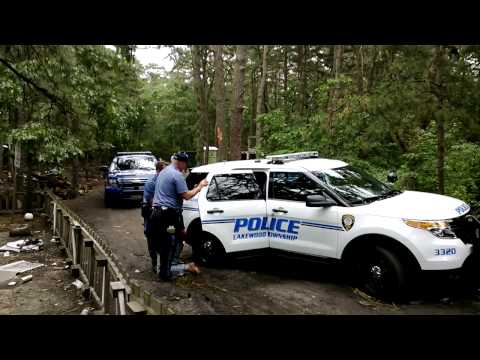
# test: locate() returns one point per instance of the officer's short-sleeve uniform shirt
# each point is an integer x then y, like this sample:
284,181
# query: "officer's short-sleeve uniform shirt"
169,185
149,189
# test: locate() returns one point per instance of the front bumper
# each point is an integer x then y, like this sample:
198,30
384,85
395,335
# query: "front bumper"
450,254
124,194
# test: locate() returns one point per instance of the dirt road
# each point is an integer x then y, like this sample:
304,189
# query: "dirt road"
253,287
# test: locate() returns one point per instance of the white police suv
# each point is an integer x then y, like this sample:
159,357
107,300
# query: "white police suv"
307,206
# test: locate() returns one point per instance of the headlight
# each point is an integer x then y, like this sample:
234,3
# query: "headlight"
113,182
440,228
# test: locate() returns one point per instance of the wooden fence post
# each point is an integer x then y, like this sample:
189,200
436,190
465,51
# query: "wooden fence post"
101,264
118,290
78,236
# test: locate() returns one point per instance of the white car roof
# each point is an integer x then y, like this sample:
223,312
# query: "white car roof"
316,164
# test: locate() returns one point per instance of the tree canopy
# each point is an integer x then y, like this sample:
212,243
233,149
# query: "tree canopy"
413,108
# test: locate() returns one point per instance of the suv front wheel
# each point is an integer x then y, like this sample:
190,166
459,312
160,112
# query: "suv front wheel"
381,273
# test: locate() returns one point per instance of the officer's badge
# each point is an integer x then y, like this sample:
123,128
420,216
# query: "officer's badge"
348,221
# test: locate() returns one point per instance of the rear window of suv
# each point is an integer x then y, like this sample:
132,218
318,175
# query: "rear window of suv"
233,187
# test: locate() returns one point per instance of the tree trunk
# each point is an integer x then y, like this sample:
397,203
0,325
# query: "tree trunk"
334,93
260,98
302,79
202,111
359,68
437,89
440,153
238,98
219,101
285,80
75,125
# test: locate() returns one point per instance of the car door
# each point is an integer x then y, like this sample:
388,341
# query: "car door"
233,209
298,228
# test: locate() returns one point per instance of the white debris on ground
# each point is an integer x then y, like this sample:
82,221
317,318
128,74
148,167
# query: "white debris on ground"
23,245
19,267
28,217
78,284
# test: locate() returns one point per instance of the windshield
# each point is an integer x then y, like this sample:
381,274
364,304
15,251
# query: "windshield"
354,185
135,163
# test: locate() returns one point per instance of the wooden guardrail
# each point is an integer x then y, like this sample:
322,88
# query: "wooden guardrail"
90,261
93,262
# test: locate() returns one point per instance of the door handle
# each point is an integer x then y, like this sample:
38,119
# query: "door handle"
214,211
280,210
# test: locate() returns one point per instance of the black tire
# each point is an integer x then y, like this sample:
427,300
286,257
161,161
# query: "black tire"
381,273
207,250
109,203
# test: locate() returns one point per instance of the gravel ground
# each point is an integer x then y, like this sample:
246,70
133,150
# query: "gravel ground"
254,286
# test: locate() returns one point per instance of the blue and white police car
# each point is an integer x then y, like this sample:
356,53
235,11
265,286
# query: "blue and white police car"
303,205
127,175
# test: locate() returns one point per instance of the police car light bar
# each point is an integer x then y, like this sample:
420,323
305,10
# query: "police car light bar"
134,153
293,156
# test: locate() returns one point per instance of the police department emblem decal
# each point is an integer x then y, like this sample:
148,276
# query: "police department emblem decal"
348,221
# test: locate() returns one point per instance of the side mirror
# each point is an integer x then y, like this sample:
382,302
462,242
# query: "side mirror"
319,201
392,177
104,170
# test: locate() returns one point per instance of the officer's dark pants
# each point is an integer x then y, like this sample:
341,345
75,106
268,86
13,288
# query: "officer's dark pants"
147,230
150,242
165,243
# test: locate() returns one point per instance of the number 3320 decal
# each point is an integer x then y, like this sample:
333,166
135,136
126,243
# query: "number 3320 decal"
449,251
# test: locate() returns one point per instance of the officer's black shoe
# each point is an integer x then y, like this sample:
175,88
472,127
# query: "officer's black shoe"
154,267
163,277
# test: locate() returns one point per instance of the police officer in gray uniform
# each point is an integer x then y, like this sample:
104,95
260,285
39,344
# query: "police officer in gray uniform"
170,191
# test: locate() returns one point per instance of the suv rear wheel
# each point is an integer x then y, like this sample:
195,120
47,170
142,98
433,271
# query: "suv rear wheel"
208,250
380,272
109,203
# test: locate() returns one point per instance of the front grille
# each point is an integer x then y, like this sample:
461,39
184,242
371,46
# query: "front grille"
467,228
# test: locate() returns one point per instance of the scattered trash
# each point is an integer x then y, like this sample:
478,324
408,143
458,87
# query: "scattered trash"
23,245
137,271
26,278
6,253
54,264
366,303
11,283
78,284
55,304
20,230
67,267
54,241
21,266
28,217
87,311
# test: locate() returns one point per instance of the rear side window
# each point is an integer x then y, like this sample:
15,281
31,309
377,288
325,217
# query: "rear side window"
193,179
292,186
233,187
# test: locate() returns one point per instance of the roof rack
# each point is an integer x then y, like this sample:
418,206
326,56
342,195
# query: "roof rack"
280,159
134,153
